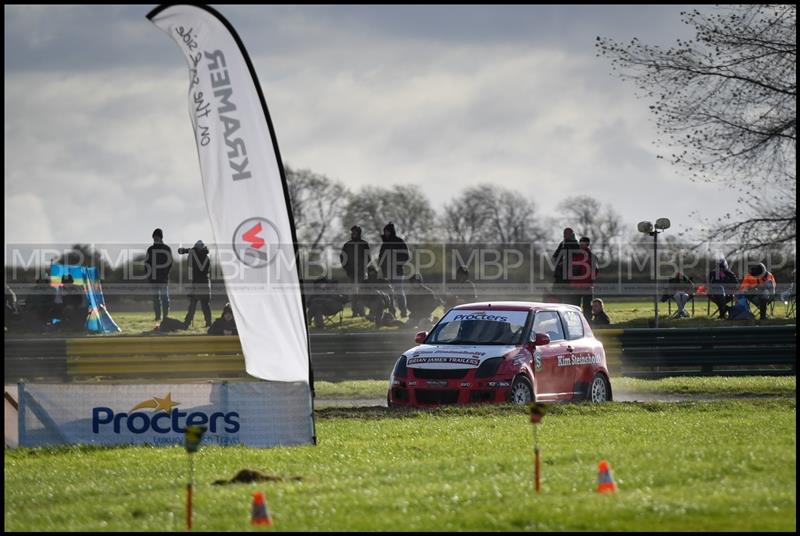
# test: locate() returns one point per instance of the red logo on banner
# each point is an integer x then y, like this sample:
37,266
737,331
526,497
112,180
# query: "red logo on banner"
251,236
256,242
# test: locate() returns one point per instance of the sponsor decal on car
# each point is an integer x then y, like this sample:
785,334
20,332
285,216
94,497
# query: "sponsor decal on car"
474,353
472,361
481,315
499,384
537,359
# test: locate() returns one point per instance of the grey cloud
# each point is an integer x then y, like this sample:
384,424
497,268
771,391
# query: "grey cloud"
443,97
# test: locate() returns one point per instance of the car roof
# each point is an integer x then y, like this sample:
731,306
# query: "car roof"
516,306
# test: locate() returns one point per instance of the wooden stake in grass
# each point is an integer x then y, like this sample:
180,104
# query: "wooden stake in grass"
193,435
537,412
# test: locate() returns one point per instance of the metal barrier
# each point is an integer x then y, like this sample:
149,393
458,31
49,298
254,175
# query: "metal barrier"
358,356
701,351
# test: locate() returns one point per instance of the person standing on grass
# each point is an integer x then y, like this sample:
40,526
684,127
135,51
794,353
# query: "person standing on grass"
393,258
157,264
584,274
355,258
200,285
563,259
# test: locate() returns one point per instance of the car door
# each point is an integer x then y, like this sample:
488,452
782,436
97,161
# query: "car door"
577,349
552,382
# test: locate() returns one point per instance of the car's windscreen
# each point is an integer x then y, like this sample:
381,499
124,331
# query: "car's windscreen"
479,327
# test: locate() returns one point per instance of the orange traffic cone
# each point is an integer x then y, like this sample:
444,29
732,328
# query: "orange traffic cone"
604,481
260,514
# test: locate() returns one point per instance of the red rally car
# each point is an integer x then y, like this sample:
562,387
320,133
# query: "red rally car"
503,352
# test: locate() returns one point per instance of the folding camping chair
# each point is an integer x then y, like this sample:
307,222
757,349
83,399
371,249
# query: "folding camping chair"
770,307
729,301
791,306
671,300
331,319
789,299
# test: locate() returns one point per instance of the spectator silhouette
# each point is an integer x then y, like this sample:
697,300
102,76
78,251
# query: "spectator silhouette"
355,258
10,311
40,305
679,288
722,283
200,284
158,263
563,260
759,286
584,274
599,316
422,302
324,301
393,259
74,308
377,298
225,324
462,290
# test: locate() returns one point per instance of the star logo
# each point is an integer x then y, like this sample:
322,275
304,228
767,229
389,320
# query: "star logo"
157,404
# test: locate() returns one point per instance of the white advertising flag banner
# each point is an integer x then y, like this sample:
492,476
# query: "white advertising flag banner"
255,414
245,191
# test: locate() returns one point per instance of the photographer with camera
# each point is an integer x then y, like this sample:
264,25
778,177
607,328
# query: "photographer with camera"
199,282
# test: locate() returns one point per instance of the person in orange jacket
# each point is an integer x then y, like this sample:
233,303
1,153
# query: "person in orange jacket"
759,286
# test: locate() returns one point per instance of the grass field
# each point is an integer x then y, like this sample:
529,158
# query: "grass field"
722,465
622,314
727,465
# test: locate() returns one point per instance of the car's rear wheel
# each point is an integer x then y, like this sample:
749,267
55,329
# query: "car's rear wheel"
599,390
521,391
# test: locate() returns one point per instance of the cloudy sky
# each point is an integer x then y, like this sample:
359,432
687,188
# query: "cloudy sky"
99,147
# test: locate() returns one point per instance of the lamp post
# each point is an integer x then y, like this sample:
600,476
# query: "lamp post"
648,228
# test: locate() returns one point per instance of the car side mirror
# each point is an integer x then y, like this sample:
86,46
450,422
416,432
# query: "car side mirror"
420,337
541,339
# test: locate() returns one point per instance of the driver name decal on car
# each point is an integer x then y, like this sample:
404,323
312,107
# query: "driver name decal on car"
578,359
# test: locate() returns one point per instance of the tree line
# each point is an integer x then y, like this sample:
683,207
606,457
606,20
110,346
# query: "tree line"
325,209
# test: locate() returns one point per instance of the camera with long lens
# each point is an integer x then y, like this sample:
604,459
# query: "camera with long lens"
200,247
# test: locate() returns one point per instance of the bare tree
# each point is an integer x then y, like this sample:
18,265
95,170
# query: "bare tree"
728,100
406,206
463,219
588,217
317,205
488,213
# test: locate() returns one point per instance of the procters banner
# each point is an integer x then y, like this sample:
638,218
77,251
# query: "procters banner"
245,190
255,414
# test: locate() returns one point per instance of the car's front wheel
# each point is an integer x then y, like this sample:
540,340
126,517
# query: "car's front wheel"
599,390
521,391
